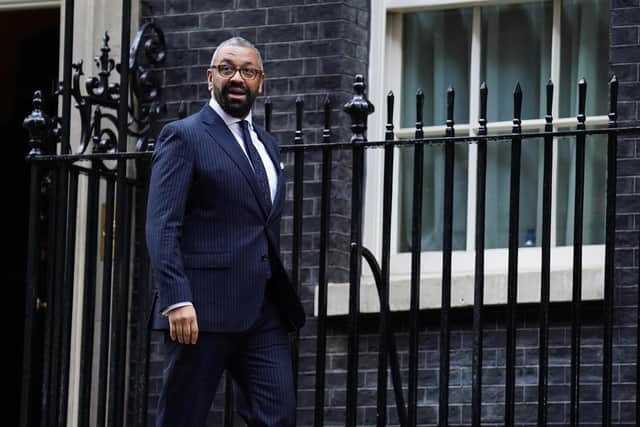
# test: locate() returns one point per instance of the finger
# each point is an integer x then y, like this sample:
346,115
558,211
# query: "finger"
186,332
194,331
179,332
172,330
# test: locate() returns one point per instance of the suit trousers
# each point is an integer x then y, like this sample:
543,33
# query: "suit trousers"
258,360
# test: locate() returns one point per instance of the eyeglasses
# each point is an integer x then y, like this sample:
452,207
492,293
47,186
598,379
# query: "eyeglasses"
228,71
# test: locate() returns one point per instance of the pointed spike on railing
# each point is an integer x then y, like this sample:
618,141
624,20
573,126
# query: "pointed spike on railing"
359,109
613,100
182,110
326,132
451,96
419,113
268,109
299,113
484,92
327,112
582,101
517,102
388,135
549,100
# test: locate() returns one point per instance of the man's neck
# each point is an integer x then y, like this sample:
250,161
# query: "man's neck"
226,117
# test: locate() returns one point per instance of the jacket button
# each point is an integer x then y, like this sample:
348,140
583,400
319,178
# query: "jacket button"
264,258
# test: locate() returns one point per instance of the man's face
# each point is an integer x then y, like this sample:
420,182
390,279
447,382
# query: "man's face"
235,94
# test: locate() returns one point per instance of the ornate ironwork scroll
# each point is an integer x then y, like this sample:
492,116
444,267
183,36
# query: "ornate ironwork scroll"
99,105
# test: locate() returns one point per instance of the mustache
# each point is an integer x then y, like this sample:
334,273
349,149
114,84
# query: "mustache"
234,85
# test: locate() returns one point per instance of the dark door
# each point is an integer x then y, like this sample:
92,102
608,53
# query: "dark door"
30,51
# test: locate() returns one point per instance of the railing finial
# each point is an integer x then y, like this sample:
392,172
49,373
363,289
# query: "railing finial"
359,108
389,135
517,108
613,101
582,101
451,96
38,125
484,92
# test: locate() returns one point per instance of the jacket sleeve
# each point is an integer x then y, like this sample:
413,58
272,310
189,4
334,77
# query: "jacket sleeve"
171,177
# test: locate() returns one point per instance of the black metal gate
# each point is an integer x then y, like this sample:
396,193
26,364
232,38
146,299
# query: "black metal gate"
104,191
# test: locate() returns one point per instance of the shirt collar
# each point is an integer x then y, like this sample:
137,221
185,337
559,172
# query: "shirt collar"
228,119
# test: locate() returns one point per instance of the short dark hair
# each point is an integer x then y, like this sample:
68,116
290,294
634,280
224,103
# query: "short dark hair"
237,41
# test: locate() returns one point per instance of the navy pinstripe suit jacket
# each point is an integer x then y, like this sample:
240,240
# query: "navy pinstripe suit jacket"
210,239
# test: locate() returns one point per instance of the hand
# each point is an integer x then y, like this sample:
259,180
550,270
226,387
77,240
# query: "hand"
183,325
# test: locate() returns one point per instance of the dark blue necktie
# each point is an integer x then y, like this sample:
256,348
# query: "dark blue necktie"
258,167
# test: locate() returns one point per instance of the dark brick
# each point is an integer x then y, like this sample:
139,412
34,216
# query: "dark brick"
625,3
624,36
210,21
210,5
278,16
319,13
245,18
280,33
625,54
177,23
625,17
198,39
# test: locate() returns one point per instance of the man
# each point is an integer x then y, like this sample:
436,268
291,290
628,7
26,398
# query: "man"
215,201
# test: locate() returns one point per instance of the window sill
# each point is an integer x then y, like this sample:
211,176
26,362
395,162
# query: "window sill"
495,292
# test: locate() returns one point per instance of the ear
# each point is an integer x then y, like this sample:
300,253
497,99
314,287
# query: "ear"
209,79
261,84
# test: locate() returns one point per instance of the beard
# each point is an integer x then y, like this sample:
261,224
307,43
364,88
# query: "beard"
233,107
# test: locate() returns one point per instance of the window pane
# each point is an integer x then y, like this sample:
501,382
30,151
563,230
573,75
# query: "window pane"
516,47
436,50
584,53
595,181
433,198
498,188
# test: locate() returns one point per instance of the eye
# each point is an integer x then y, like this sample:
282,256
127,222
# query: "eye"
226,69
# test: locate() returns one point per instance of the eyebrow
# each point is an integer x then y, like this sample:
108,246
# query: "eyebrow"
228,61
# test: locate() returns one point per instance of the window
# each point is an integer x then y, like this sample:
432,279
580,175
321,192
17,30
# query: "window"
430,45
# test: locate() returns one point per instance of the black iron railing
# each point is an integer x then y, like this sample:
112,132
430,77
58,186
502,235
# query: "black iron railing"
55,181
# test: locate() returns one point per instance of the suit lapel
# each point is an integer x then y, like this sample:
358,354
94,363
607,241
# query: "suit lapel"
270,145
218,130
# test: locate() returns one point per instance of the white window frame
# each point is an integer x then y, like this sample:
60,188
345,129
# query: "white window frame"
385,75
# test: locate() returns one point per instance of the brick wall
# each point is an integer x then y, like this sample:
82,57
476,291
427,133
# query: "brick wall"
314,48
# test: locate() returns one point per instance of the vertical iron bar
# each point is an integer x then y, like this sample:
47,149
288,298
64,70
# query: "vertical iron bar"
358,108
478,291
609,260
127,288
50,256
89,296
118,336
323,282
383,360
447,246
67,299
296,251
512,279
66,76
106,303
416,252
577,258
545,274
56,302
31,294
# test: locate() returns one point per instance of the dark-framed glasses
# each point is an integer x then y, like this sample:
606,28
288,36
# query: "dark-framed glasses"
227,71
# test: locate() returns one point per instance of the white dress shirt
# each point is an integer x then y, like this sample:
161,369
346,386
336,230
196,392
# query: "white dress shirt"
233,123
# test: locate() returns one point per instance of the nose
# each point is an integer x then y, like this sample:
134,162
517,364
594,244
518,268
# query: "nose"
236,76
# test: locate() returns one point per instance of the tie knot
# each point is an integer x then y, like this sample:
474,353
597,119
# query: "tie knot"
244,125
